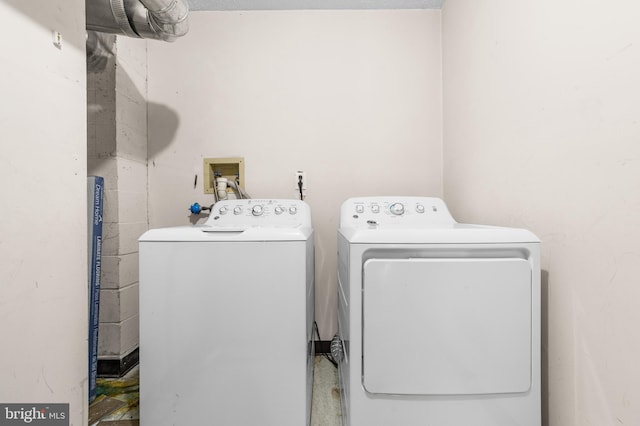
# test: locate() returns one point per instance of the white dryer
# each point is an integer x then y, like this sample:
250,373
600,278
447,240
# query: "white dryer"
439,321
226,315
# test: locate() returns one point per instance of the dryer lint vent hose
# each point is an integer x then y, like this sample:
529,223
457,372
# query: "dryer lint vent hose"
337,351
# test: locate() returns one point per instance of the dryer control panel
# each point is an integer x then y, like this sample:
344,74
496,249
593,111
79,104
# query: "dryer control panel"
392,212
245,213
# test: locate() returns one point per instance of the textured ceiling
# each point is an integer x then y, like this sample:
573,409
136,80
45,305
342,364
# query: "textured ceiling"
196,5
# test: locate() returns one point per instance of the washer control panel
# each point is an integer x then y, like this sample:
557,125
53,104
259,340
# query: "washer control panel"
260,212
394,212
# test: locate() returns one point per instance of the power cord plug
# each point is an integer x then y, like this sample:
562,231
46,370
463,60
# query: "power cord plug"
300,184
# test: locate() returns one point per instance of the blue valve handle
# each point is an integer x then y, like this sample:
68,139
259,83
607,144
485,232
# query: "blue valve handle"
196,208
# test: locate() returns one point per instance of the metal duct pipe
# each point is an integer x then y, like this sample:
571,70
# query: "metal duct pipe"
156,19
168,17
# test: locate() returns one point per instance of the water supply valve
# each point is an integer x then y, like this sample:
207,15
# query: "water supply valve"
196,208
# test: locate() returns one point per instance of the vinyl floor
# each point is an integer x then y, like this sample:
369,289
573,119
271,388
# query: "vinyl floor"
117,401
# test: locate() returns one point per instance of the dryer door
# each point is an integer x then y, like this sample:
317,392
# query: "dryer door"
446,326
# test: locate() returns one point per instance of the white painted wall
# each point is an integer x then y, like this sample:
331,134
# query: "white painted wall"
542,130
43,241
351,97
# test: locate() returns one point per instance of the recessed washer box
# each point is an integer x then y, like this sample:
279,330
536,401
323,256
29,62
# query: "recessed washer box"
230,168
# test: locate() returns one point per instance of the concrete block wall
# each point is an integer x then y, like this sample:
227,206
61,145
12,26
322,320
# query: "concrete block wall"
117,127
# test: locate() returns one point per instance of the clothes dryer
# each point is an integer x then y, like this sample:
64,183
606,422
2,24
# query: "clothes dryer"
439,321
226,318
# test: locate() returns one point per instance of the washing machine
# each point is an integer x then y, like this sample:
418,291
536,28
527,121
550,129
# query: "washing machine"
226,318
439,322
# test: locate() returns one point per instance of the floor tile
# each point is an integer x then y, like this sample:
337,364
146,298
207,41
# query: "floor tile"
325,410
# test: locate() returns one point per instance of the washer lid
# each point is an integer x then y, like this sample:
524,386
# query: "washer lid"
207,234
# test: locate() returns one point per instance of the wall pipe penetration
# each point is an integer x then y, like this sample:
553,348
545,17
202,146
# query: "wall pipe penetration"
154,19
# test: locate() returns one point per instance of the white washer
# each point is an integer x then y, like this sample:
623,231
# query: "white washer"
439,321
226,318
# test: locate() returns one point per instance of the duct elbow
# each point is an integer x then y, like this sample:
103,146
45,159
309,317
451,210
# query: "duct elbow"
168,21
154,19
168,29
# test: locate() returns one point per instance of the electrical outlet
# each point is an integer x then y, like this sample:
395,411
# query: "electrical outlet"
303,175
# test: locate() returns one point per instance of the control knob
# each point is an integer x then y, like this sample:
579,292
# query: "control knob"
397,208
237,210
257,210
279,210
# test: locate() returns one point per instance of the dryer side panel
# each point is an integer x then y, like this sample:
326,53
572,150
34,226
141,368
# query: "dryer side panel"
447,326
344,325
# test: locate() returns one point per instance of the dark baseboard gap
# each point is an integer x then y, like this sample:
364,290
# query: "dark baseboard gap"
323,347
120,366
